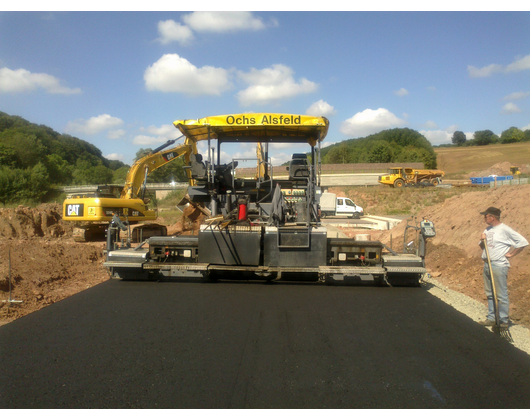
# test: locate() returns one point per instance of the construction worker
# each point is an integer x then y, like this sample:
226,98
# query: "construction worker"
503,243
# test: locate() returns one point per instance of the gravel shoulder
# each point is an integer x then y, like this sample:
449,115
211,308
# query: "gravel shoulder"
474,310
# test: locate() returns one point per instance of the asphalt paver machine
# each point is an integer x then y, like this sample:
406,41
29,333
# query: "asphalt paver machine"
266,228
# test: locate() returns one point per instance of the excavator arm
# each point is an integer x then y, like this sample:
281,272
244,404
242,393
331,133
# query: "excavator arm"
147,164
262,171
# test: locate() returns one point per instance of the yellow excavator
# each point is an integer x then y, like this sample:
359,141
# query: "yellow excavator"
93,211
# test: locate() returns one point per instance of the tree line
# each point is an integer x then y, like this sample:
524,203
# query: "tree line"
387,146
484,137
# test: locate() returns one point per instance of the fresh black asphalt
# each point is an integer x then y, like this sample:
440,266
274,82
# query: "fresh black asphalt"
256,345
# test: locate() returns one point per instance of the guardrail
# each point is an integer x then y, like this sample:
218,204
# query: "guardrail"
150,186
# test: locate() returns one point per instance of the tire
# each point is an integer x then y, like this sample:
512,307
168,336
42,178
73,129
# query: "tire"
435,182
398,183
356,215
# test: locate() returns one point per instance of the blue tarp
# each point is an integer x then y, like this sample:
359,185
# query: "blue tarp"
488,179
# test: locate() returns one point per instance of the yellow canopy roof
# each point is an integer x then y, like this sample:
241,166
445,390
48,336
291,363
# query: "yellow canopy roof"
279,128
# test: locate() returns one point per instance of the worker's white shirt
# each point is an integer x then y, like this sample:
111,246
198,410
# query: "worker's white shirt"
500,239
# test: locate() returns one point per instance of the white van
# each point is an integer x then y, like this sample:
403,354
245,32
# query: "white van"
331,205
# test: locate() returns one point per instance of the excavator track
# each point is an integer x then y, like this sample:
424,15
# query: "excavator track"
90,233
98,232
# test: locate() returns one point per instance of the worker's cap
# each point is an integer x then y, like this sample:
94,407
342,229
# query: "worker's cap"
494,211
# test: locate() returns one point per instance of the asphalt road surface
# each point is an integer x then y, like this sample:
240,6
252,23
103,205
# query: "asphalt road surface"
256,345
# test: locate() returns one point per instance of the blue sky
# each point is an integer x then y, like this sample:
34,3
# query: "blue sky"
119,79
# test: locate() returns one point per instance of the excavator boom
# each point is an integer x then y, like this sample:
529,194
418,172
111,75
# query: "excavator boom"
147,164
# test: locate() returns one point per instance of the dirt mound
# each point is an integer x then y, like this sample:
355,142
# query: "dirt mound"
499,169
44,271
192,218
189,224
42,221
44,264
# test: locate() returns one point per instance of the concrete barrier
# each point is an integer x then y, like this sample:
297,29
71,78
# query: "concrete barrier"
383,223
328,180
369,222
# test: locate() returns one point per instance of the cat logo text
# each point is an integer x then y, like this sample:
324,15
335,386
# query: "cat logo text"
74,210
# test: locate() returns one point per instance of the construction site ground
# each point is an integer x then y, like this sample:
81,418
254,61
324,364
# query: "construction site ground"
45,265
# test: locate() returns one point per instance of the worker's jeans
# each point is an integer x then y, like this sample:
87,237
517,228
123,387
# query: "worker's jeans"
500,275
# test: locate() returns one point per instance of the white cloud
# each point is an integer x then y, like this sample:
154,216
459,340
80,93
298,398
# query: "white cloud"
22,80
486,71
165,130
170,31
328,143
437,136
280,158
519,65
225,21
445,136
401,92
516,96
370,121
321,108
245,154
158,135
272,84
115,156
93,125
526,127
510,108
116,134
172,73
148,140
214,22
430,124
280,146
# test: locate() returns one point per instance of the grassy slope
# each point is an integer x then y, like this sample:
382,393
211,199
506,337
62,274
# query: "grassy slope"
458,160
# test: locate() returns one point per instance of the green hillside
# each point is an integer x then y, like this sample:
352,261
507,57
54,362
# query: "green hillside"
34,160
394,145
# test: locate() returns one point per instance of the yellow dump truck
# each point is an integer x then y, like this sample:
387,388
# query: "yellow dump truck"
399,177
